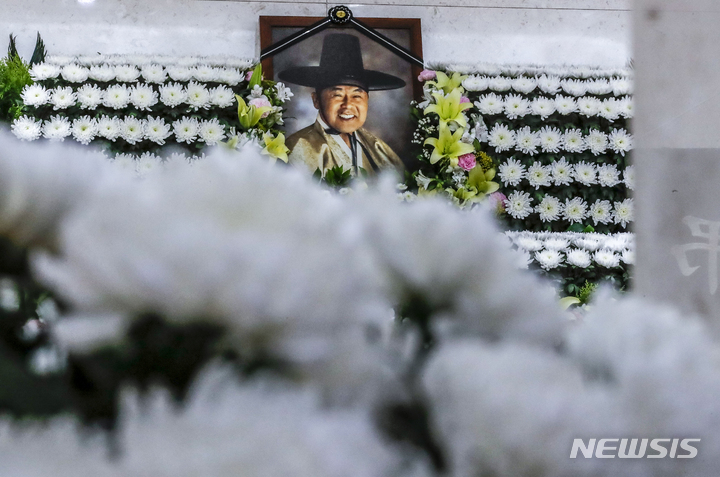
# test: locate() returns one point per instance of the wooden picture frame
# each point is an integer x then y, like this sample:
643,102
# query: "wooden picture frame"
413,25
389,117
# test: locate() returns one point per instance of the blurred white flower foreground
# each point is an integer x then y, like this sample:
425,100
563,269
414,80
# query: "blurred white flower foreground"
311,278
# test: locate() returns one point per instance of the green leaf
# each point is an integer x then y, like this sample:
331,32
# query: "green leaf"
256,77
39,52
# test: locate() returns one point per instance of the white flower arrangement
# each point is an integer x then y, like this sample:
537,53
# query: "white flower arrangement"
559,249
139,90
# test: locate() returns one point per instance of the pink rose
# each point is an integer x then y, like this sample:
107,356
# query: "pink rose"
427,75
260,103
467,161
496,201
248,75
464,99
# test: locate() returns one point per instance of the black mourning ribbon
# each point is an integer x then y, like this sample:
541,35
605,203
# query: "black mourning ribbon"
353,143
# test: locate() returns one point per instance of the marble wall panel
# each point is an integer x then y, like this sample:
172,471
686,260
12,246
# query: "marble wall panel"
520,31
678,154
545,36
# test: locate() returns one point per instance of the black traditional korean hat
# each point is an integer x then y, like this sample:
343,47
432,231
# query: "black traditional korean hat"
341,63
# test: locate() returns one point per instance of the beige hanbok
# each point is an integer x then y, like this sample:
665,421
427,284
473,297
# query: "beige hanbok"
315,148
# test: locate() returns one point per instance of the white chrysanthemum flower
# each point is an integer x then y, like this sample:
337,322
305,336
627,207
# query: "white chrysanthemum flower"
628,256
57,128
294,433
180,73
172,94
501,137
157,130
187,61
629,177
198,97
230,76
550,139
585,173
89,96
102,73
616,243
154,73
89,60
589,106
575,210
543,107
60,60
565,105
626,107
75,73
621,86
556,242
573,141
608,175
108,127
490,104
606,258
116,96
599,86
562,172
596,142
527,141
589,244
548,259
132,129
610,109
84,129
126,162
511,172
516,106
518,204
223,97
62,98
574,87
186,129
549,84
211,132
601,212
539,175
143,97
126,73
476,83
26,128
549,209
623,213
524,85
620,141
528,243
44,71
35,95
148,163
500,83
579,258
204,73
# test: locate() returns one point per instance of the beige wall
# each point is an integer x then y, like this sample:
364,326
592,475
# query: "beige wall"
595,32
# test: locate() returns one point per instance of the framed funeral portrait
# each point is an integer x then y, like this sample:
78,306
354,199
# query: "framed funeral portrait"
334,67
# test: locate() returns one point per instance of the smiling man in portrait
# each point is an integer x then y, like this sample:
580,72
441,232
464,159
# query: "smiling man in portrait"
342,86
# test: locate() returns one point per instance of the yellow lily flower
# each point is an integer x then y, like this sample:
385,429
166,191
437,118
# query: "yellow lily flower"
249,116
275,147
481,182
448,83
448,145
449,107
